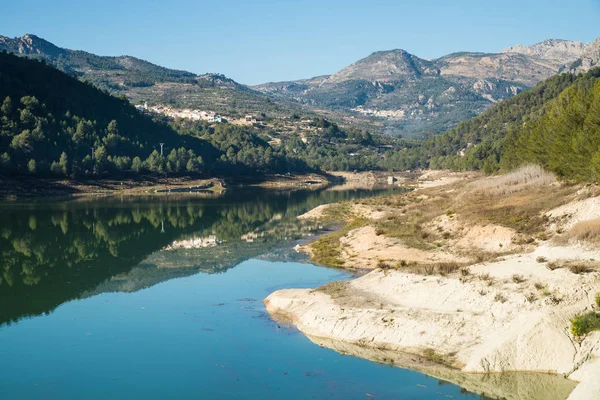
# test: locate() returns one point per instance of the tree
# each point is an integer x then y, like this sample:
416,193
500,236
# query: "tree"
23,141
31,167
101,159
113,127
84,131
6,108
30,102
5,161
154,161
192,165
64,163
136,165
55,168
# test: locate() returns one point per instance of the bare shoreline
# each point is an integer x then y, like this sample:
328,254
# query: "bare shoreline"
477,292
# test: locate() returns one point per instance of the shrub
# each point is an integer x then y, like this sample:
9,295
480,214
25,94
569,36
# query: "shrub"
540,285
531,297
524,178
554,265
587,231
500,298
579,269
429,270
541,259
384,265
598,300
447,268
518,278
583,324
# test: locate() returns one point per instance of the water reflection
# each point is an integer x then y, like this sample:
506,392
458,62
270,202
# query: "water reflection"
53,253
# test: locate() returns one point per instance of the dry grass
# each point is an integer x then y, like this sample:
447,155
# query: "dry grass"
575,266
518,278
580,269
334,289
586,231
500,298
524,178
531,297
441,268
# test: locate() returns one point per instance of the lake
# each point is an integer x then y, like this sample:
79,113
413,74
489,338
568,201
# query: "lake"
104,299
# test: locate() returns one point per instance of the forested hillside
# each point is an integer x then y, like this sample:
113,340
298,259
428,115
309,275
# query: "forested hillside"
497,138
565,139
52,124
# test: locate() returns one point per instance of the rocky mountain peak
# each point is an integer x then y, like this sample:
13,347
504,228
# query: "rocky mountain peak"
564,51
384,66
589,59
29,44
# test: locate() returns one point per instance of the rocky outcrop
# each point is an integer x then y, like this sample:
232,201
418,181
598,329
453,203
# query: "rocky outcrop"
589,59
562,51
30,45
385,66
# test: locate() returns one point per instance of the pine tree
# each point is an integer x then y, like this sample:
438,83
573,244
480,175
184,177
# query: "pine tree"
64,164
6,108
31,167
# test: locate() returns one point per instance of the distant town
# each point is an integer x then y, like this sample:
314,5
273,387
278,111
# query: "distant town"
198,115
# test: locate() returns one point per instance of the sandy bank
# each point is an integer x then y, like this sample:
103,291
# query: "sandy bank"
476,276
483,323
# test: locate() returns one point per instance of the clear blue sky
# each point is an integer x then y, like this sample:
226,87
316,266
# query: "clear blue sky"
271,40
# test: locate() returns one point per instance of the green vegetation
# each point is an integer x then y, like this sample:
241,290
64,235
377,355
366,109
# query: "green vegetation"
442,359
53,125
554,124
598,300
327,249
583,324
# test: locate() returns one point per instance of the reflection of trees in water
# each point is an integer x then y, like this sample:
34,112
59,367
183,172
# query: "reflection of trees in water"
49,255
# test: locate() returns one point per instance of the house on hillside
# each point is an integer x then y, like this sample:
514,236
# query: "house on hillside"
254,119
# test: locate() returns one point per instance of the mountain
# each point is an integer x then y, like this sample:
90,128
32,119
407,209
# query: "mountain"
411,96
562,51
556,124
590,58
142,81
54,125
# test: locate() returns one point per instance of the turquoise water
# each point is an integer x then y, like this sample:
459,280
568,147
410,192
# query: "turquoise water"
110,313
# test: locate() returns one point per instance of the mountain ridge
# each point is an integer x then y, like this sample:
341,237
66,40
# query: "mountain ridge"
142,81
412,96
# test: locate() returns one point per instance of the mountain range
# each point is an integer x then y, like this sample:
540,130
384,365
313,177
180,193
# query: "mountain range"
412,96
391,91
142,81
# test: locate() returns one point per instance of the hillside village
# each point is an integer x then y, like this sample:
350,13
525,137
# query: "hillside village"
280,125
